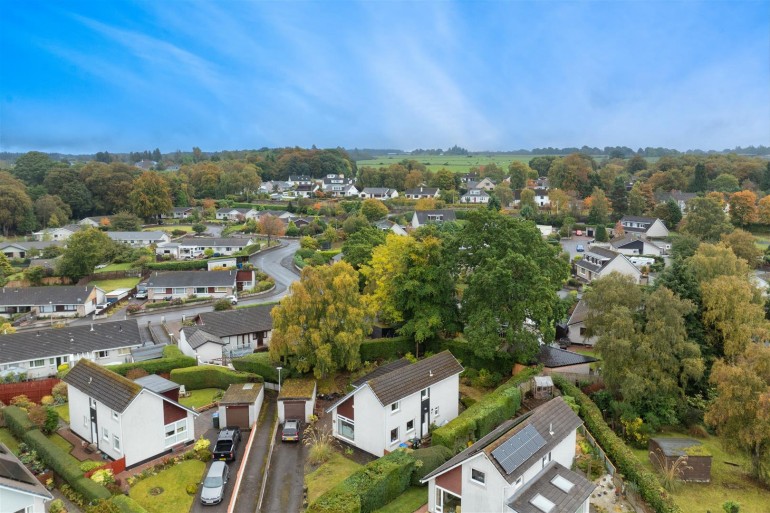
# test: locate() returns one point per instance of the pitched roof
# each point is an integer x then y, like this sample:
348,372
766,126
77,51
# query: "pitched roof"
547,485
241,393
380,371
376,190
579,314
15,476
553,357
147,352
149,236
423,216
32,244
48,343
214,242
407,380
35,296
676,447
638,219
173,279
236,322
156,383
196,337
602,253
422,191
107,387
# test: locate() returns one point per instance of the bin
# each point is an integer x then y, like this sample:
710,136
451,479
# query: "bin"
216,420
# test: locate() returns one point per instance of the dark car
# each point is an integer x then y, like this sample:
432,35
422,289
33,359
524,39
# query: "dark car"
290,431
227,443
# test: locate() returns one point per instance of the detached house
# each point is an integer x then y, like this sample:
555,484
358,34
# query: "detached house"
20,490
22,249
236,214
577,333
182,284
630,245
485,184
423,217
337,186
475,196
61,233
599,262
523,466
52,301
139,239
644,227
380,193
136,420
421,192
397,402
191,247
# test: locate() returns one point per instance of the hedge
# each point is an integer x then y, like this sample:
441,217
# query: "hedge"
431,458
618,452
370,487
183,265
385,348
483,416
171,360
258,363
17,421
126,504
463,351
211,376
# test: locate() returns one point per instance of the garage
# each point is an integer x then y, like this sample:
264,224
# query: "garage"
241,404
296,400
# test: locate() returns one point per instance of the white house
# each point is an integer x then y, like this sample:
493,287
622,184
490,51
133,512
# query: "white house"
338,186
630,245
577,333
398,402
236,214
423,217
61,233
296,180
523,466
389,226
421,192
180,212
232,333
485,183
139,239
599,262
96,221
51,301
380,193
136,420
475,196
644,227
555,359
241,404
20,491
183,284
25,248
192,247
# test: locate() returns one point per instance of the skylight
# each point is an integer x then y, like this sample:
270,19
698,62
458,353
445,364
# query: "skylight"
562,483
542,503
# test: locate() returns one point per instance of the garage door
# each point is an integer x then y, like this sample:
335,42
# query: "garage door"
238,416
294,410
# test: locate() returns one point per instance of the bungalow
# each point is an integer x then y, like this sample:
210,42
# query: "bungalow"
398,402
180,213
380,193
140,239
599,262
61,233
475,196
192,247
423,217
25,248
39,353
136,420
20,490
486,184
577,333
303,191
554,359
389,226
182,284
231,333
236,214
53,301
644,227
421,192
522,466
96,221
630,245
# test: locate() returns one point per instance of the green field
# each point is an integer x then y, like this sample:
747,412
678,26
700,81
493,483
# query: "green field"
114,267
454,163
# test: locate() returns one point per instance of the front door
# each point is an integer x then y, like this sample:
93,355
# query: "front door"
94,427
424,412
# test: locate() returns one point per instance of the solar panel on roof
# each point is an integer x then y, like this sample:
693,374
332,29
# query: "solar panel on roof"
13,470
517,449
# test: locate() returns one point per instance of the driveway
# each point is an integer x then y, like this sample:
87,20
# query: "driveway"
286,477
570,245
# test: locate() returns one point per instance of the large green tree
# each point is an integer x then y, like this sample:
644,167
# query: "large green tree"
357,248
373,209
150,196
32,167
519,173
705,219
85,250
65,182
15,205
51,210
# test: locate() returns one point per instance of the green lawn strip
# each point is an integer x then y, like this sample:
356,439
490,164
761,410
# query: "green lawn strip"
728,482
169,228
118,283
174,481
114,267
328,475
64,412
7,438
407,502
60,442
198,398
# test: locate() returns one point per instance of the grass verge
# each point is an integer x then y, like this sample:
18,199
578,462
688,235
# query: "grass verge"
7,438
114,267
173,481
198,398
64,412
407,502
118,283
328,475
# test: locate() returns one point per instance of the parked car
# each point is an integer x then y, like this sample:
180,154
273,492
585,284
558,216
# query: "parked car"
101,307
290,431
233,300
141,291
580,248
227,443
213,489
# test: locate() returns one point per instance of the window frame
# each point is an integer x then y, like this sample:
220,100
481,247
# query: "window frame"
395,407
483,481
408,429
116,443
396,439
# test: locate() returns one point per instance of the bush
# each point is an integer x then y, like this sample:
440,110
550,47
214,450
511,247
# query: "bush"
385,348
486,379
57,506
222,304
257,363
127,505
22,401
136,374
47,400
192,489
429,460
157,304
463,351
17,421
88,465
173,358
211,376
60,392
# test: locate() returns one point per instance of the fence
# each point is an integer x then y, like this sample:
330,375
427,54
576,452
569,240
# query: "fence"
591,440
35,390
577,378
116,466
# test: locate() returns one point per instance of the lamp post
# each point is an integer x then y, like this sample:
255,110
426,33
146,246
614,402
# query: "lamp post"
279,378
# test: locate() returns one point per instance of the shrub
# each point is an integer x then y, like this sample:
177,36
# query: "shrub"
133,308
127,505
17,421
222,304
429,459
211,376
258,363
385,348
179,265
103,476
173,358
88,465
136,373
192,489
321,443
463,351
486,379
22,401
157,304
57,506
60,392
47,400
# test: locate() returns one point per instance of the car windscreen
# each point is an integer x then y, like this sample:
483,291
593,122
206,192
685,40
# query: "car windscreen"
290,430
212,482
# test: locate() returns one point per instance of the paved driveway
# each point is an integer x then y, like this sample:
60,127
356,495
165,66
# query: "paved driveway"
570,245
285,479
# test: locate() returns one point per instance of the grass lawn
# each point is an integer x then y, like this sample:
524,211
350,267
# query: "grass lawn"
118,283
7,438
200,397
727,482
328,475
474,393
169,228
173,480
115,267
60,442
64,412
407,502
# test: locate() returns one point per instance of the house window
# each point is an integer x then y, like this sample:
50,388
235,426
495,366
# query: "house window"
394,436
200,290
582,331
410,426
178,291
124,351
221,289
36,364
176,432
116,443
425,394
102,354
105,434
394,407
518,482
477,476
115,415
546,459
345,428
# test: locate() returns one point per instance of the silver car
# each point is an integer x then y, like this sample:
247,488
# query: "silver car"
213,489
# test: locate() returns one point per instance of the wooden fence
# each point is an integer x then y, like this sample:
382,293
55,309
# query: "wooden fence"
35,390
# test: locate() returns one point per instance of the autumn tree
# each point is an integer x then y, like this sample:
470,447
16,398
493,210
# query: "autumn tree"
743,244
504,194
559,201
425,204
571,172
763,211
320,325
271,226
85,250
599,211
636,202
705,219
373,209
151,196
444,180
527,199
743,208
15,205
413,179
712,260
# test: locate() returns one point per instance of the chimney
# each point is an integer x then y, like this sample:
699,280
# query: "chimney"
550,429
120,328
90,379
430,373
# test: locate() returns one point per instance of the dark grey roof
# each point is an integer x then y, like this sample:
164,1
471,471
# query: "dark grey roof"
553,357
423,215
15,476
107,387
196,337
625,241
579,314
675,446
603,253
588,265
381,370
376,190
638,219
412,378
48,343
156,383
32,244
36,296
148,236
173,279
543,485
422,191
148,352
215,242
237,322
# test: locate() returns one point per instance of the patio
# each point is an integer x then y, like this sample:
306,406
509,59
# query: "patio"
80,448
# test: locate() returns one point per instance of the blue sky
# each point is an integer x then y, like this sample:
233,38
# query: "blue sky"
85,76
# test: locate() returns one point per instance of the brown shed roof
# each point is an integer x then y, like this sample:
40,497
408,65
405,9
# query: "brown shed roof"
105,386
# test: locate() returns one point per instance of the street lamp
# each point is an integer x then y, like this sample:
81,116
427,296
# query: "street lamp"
279,378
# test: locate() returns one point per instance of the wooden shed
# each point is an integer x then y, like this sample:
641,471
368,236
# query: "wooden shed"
665,451
542,387
296,400
241,404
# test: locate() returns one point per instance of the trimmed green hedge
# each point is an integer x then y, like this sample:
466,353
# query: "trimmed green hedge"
211,376
370,487
127,505
17,421
385,348
183,265
483,416
463,351
431,458
258,363
173,358
618,452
